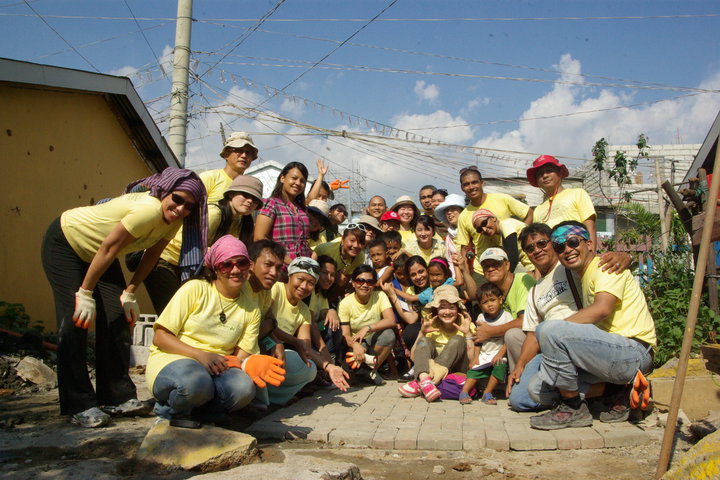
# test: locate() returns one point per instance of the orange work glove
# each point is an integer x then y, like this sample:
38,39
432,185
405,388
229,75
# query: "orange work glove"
350,360
264,368
233,361
338,184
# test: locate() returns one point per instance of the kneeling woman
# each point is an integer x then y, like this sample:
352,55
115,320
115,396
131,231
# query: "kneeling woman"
367,321
203,361
442,340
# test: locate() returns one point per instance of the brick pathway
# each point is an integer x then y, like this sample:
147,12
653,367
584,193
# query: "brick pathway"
378,417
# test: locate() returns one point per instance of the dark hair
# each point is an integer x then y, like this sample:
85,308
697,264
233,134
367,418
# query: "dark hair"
247,224
426,220
322,260
442,263
489,289
469,171
359,234
414,260
364,269
256,248
299,201
441,191
377,243
324,186
428,187
400,261
324,221
391,236
339,206
538,228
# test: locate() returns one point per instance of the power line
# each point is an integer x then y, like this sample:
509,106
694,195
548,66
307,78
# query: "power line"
155,55
61,37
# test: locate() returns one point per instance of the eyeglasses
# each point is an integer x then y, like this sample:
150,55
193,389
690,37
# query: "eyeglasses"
466,169
247,151
540,244
353,226
308,266
572,242
228,266
365,281
180,201
482,225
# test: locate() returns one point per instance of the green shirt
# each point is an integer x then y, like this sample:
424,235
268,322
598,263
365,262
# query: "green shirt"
517,295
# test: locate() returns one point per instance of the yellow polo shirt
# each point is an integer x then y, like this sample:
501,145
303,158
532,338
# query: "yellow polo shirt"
569,204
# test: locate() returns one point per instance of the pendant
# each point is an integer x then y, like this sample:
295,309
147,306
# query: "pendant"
223,318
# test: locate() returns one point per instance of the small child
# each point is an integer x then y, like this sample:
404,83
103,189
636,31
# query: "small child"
490,359
379,257
393,241
438,273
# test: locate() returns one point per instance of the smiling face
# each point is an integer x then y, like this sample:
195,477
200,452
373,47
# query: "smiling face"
495,270
424,235
426,195
299,286
364,285
437,199
452,214
266,269
232,274
239,159
242,203
486,226
390,225
351,245
406,214
338,216
293,184
418,276
543,258
447,313
327,276
472,186
490,304
177,205
393,247
376,207
548,178
436,275
576,257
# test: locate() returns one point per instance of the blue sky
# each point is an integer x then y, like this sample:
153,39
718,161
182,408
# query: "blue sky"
423,90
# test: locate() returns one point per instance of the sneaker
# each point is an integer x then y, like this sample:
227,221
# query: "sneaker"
130,407
617,413
429,390
563,416
91,418
410,389
640,392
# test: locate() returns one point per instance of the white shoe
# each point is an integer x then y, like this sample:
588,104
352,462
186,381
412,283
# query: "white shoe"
91,418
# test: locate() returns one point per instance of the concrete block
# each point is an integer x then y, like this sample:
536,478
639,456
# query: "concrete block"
353,438
522,437
700,395
496,438
406,438
576,438
384,438
474,439
622,435
206,449
433,439
139,355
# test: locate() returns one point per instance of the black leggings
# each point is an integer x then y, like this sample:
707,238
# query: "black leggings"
65,272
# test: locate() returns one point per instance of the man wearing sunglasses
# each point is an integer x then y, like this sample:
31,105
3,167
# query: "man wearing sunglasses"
610,340
238,152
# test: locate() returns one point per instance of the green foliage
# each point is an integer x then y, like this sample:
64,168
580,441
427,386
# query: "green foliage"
668,295
13,317
620,167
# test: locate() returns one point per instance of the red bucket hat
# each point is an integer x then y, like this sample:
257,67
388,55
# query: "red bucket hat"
545,160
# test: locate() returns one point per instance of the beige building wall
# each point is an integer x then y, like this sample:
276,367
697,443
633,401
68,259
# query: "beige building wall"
59,150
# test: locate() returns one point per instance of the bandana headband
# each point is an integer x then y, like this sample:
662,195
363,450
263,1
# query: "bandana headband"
561,234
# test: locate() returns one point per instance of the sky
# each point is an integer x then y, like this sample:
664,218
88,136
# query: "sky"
403,93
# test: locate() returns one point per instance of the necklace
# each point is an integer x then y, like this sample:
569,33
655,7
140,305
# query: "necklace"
222,317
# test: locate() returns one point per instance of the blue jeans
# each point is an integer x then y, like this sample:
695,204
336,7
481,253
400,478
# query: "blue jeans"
568,348
185,387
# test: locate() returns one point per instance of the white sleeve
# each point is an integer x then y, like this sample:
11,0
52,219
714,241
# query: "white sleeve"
532,317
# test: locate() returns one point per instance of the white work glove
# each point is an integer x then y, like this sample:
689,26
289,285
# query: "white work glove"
84,314
130,305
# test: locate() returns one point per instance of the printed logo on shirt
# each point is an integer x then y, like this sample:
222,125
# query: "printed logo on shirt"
558,288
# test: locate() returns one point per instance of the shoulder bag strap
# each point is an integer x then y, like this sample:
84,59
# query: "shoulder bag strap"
573,288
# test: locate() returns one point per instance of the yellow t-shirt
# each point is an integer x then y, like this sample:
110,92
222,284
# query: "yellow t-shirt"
86,228
513,225
263,298
216,182
503,206
193,316
318,303
358,315
406,236
333,249
440,339
630,317
569,204
322,238
436,250
289,317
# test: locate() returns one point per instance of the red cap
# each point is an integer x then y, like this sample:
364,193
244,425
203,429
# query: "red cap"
390,215
545,160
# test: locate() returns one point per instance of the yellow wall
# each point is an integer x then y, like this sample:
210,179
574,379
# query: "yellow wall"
58,150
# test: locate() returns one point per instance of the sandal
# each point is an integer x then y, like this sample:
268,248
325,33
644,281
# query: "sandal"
91,418
488,399
640,392
429,390
128,408
465,398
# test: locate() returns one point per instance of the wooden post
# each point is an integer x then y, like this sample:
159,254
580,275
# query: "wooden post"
689,335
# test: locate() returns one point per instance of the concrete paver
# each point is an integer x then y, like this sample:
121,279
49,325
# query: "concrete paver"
378,417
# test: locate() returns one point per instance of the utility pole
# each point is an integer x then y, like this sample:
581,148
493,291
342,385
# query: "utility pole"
665,233
181,72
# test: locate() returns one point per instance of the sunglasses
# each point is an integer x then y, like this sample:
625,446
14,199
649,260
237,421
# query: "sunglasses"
180,201
228,266
365,281
353,226
540,244
308,266
482,225
247,151
467,169
572,242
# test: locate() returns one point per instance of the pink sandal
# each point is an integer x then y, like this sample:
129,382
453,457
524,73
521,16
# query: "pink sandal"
429,390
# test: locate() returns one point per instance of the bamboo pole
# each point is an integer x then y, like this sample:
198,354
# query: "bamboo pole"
705,245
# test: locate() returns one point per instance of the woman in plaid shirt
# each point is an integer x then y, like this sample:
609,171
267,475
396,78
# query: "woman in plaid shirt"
284,217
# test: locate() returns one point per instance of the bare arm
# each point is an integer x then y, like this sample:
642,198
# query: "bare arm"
460,262
529,216
408,316
486,331
322,169
529,349
602,307
147,263
166,341
118,239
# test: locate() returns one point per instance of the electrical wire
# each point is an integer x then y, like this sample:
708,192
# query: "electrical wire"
155,55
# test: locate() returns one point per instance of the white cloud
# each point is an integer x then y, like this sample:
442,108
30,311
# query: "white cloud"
427,92
435,126
126,71
477,102
293,107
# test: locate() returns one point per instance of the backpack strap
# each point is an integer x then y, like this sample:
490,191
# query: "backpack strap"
573,288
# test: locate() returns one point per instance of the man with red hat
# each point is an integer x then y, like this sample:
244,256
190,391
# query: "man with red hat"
560,203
